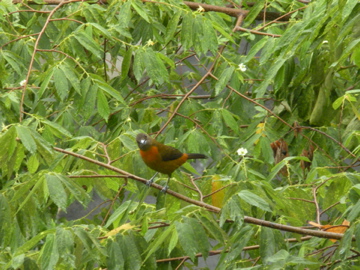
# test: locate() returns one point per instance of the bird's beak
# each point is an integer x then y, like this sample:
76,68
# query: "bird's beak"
143,141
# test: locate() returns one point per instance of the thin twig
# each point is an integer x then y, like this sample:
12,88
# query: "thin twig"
97,176
328,136
331,206
218,190
257,32
112,204
197,190
300,199
21,107
314,190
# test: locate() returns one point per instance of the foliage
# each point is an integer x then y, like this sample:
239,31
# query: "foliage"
88,77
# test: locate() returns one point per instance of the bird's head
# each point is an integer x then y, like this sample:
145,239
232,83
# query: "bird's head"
143,141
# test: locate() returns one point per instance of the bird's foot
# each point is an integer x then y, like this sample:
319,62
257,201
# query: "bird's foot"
164,190
148,183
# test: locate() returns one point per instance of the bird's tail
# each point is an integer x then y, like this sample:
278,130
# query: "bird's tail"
196,156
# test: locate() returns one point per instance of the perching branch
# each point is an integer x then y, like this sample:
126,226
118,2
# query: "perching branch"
255,221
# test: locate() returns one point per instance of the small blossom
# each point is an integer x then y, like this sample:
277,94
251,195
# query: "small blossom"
22,83
200,9
325,42
242,67
150,42
242,151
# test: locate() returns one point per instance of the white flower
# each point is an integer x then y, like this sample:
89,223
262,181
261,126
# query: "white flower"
22,83
200,9
242,151
242,67
150,42
325,42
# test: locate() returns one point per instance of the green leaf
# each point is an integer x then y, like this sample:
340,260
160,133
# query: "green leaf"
254,11
49,254
348,50
72,77
237,243
155,67
26,139
126,63
154,246
209,37
343,250
132,247
230,120
254,200
125,13
6,222
201,237
139,7
75,189
56,191
357,235
232,210
45,82
103,31
337,103
89,102
61,83
103,106
348,8
108,89
120,212
172,26
28,245
33,164
139,65
256,48
15,61
187,239
88,42
268,244
220,26
90,242
212,227
115,259
354,212
174,239
260,91
223,79
57,129
8,142
284,162
187,30
64,240
128,141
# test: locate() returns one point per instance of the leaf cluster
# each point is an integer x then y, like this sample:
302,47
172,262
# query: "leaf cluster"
87,77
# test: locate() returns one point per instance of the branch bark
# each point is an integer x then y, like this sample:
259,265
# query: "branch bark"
233,12
247,219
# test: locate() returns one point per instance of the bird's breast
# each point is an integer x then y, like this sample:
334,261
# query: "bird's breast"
153,159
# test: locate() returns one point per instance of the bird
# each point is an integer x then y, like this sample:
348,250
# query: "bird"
162,158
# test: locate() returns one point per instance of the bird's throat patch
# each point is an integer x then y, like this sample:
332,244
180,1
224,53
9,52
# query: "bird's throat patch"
151,155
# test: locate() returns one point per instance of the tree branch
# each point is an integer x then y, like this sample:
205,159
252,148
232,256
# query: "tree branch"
256,221
233,12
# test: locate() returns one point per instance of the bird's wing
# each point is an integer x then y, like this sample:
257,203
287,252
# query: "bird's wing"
169,153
